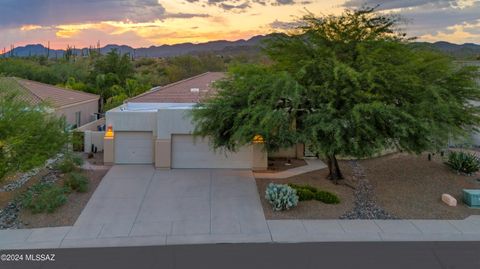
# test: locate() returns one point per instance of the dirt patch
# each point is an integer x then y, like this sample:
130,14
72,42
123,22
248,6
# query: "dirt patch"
282,164
311,209
95,158
410,186
67,214
6,197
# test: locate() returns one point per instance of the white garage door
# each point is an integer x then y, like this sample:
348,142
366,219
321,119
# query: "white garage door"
190,153
133,147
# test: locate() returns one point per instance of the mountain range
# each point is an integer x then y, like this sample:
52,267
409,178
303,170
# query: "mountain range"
152,51
464,51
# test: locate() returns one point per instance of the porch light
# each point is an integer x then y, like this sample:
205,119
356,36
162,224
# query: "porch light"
109,133
258,139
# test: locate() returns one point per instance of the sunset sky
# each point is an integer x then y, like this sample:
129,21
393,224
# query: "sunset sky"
142,23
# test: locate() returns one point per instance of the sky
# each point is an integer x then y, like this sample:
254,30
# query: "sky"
143,23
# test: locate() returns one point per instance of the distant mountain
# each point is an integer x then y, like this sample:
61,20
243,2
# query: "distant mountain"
152,51
468,51
34,50
224,47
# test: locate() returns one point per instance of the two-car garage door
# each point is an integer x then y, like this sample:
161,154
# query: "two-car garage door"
188,152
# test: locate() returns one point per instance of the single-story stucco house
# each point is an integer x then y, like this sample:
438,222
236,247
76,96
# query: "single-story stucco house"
155,128
78,108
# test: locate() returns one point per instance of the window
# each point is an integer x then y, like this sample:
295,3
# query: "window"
78,118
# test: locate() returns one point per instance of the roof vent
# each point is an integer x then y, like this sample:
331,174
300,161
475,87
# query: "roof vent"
195,90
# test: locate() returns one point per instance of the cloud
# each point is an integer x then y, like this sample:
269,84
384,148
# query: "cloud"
395,4
239,5
284,25
430,19
54,12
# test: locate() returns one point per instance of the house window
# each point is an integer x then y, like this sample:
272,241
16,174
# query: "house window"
78,118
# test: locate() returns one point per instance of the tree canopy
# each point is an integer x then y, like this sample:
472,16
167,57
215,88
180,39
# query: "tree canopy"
29,135
345,85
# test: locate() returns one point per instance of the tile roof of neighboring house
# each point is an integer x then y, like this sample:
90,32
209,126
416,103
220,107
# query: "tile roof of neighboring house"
36,92
181,91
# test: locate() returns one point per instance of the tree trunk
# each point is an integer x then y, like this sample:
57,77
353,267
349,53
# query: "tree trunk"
334,172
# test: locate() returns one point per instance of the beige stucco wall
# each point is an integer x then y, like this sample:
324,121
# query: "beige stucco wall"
141,121
296,151
87,111
93,138
163,123
91,126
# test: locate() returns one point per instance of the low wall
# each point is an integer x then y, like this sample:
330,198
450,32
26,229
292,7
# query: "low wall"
91,126
94,138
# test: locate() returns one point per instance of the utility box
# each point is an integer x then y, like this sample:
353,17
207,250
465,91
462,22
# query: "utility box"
472,198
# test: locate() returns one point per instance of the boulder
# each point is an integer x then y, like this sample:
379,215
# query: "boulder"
449,200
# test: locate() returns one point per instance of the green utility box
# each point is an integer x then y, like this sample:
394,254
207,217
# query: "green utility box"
472,198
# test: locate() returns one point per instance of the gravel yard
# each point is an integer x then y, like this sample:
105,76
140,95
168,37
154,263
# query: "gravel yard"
67,214
398,185
12,216
312,209
410,186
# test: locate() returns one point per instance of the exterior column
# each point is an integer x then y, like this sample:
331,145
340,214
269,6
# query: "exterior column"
108,150
260,157
163,153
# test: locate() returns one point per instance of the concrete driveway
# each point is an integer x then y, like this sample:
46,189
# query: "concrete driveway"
137,200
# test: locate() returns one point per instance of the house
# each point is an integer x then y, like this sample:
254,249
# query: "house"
78,108
155,128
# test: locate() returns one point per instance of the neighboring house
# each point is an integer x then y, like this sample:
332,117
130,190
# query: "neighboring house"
155,128
77,107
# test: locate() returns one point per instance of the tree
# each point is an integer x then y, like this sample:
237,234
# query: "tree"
346,85
29,135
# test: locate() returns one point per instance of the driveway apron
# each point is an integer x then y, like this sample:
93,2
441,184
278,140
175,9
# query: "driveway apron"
137,200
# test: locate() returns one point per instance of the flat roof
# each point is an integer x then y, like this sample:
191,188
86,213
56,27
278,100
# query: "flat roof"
191,90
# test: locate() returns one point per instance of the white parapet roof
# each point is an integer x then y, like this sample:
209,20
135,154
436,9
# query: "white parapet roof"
131,106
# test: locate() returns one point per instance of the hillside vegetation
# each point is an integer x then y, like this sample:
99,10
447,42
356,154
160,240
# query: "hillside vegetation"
114,76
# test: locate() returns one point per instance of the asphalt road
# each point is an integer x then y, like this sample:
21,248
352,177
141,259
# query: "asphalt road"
389,255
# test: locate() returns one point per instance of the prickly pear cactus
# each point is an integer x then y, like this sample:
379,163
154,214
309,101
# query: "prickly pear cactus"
281,196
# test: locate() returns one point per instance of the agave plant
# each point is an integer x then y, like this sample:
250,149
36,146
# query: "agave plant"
463,162
281,196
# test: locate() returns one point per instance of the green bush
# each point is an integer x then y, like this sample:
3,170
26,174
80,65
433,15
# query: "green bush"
307,192
76,182
463,162
69,163
43,197
327,197
305,195
281,197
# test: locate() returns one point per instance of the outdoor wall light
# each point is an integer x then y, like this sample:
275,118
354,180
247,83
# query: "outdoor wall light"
258,139
109,133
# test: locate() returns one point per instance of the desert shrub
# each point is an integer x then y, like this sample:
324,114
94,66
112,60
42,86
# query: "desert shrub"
76,182
69,163
43,197
281,197
463,162
307,192
326,197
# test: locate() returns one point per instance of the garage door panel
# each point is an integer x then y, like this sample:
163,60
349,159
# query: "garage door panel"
188,152
133,148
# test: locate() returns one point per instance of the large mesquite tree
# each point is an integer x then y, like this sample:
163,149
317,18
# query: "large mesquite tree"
29,135
348,85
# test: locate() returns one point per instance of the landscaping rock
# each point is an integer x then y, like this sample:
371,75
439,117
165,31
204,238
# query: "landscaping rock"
449,200
25,177
365,204
9,217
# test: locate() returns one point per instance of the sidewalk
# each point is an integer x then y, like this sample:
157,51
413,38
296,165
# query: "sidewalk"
291,231
312,165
